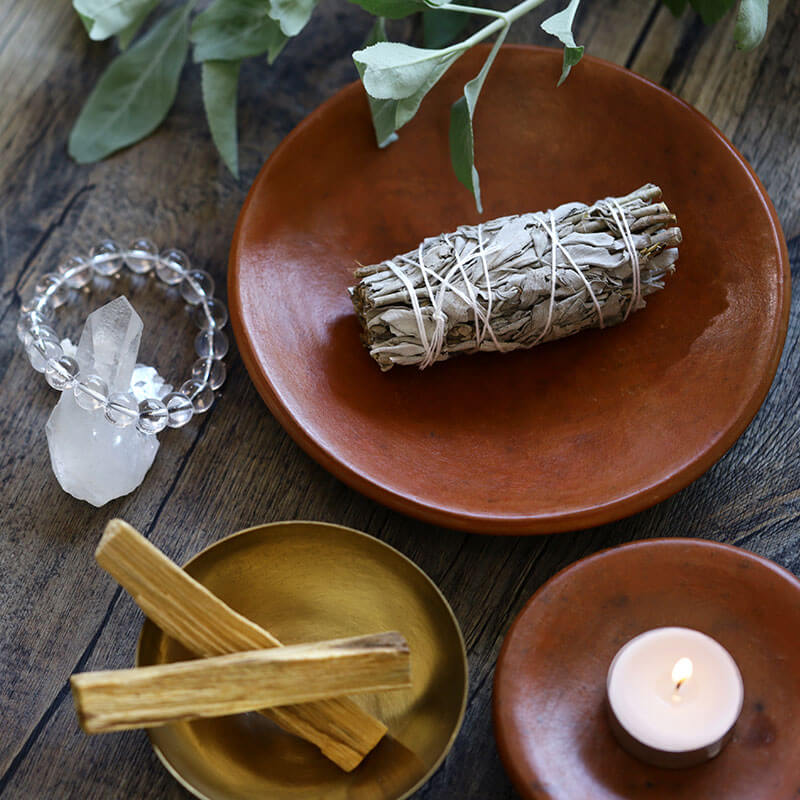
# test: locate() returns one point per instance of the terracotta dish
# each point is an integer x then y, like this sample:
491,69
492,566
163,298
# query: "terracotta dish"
550,717
305,581
570,434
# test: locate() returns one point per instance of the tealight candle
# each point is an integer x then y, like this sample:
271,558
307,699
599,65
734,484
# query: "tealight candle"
674,695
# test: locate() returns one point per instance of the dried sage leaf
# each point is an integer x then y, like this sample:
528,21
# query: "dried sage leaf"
511,283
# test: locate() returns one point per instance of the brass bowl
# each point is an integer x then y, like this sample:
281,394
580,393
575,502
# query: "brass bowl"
305,581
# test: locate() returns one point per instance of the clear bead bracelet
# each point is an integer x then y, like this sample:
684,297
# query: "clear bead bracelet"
62,372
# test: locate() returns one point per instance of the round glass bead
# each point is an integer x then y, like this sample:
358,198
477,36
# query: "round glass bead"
76,271
152,416
201,394
54,287
211,344
196,285
43,350
122,409
171,266
42,333
210,314
179,409
91,392
61,373
107,258
209,371
30,323
142,256
40,303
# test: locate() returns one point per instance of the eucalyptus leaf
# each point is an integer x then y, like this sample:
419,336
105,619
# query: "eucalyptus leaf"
383,112
712,11
291,15
439,28
125,36
751,23
560,26
135,92
229,30
109,17
391,9
220,81
462,139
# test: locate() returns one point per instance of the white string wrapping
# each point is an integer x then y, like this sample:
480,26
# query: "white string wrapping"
432,347
618,215
493,286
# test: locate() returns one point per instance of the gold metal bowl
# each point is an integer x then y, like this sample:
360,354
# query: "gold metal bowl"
305,581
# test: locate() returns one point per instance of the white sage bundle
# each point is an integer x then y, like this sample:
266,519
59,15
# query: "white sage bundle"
517,281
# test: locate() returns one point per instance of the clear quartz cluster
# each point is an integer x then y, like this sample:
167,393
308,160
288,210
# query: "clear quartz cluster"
102,432
94,459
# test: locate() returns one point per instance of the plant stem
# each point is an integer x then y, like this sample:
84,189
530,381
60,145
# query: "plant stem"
486,12
504,19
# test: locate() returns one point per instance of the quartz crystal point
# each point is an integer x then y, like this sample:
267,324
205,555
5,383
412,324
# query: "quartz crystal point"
93,459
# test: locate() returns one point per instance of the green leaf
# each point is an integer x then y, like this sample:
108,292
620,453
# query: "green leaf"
87,21
125,36
398,72
291,15
229,30
462,148
560,26
677,7
392,9
135,92
383,111
712,11
462,139
109,17
220,80
439,28
751,23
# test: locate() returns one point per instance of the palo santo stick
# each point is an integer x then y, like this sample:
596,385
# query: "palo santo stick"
145,697
185,610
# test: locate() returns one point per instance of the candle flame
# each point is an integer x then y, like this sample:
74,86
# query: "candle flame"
682,671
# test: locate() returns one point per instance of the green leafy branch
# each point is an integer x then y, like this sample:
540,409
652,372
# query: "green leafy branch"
135,93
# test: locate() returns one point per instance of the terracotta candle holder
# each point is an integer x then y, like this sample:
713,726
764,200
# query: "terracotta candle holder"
550,715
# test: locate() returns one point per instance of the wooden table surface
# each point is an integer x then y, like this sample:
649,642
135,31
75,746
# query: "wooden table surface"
235,467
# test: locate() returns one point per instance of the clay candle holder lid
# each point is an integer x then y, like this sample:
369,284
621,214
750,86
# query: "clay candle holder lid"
549,692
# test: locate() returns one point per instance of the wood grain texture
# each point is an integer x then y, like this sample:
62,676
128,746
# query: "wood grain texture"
236,467
144,697
189,613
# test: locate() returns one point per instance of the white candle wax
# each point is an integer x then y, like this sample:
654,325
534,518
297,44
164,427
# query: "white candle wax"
674,696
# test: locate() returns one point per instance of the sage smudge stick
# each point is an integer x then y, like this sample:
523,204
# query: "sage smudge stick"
517,281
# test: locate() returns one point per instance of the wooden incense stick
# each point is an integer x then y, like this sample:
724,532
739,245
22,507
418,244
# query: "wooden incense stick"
145,697
185,610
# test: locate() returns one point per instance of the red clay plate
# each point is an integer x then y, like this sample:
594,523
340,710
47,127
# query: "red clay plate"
549,686
568,435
